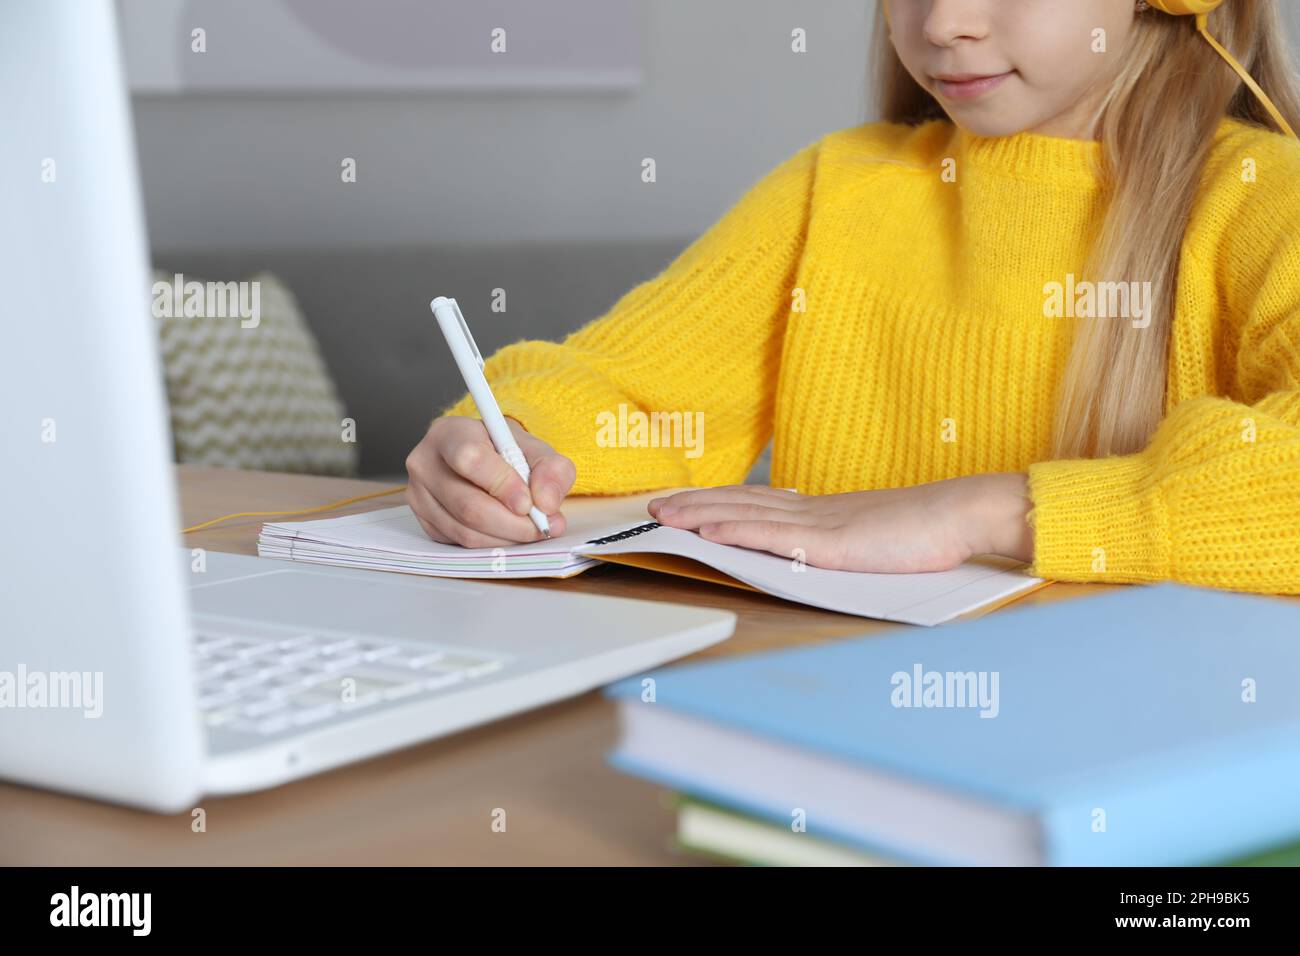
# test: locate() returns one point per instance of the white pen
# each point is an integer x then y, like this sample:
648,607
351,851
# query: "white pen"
470,362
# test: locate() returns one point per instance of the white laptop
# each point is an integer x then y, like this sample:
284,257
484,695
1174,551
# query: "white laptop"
131,669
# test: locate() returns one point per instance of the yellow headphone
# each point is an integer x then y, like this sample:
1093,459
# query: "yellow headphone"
1201,9
1185,8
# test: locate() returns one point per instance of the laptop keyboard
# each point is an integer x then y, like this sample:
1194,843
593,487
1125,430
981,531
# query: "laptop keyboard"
267,683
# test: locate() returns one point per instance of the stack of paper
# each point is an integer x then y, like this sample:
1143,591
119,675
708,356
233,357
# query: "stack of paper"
393,540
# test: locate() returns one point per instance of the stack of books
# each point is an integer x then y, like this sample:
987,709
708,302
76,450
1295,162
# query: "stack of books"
1146,726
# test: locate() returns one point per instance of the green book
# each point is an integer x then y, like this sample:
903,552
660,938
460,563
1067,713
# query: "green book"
710,830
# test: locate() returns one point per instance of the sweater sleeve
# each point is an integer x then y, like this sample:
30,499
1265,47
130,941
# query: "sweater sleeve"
1214,500
676,384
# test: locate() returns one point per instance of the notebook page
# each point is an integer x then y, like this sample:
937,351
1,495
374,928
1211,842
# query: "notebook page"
925,599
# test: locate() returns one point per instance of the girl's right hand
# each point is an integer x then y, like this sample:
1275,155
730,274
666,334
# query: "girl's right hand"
463,492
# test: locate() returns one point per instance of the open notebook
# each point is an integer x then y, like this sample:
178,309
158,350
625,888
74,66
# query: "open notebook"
621,531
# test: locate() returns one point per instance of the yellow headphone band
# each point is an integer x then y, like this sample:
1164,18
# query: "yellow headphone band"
1183,8
1201,9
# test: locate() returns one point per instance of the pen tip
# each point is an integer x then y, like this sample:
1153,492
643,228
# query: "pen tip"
546,534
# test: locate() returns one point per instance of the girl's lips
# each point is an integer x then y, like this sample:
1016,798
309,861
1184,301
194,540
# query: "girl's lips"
969,87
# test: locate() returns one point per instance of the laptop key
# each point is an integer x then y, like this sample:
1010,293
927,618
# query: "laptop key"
221,716
357,687
284,684
212,697
399,691
250,671
341,662
247,649
471,666
236,684
290,643
414,659
337,646
439,679
221,659
299,656
264,706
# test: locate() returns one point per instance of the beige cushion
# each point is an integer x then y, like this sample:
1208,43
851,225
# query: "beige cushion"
245,393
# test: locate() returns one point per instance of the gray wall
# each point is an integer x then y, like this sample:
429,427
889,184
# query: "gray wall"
723,100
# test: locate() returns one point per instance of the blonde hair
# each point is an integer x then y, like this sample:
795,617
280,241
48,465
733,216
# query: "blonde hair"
1156,126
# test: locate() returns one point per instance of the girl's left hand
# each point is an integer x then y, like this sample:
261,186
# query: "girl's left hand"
931,527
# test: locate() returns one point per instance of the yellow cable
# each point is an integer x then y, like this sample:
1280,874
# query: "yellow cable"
1202,24
305,511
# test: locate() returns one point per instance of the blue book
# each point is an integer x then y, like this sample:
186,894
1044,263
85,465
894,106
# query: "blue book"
1145,726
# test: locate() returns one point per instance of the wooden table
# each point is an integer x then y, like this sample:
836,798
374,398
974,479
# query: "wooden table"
431,804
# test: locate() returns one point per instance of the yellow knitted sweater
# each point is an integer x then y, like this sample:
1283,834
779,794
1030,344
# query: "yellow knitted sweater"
886,328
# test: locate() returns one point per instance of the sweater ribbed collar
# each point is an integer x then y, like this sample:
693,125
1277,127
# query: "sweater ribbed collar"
1033,156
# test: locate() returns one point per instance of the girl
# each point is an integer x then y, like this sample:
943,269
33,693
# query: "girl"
1048,309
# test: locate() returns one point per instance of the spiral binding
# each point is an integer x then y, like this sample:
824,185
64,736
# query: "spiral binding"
629,533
